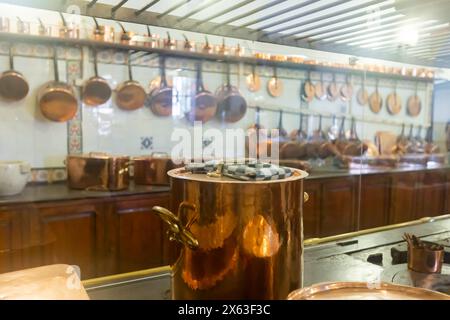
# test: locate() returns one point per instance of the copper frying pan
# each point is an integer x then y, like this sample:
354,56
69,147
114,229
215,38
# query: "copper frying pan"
275,86
253,81
375,100
320,90
231,106
13,86
346,91
332,90
96,90
57,99
308,90
161,97
130,94
414,105
362,96
393,102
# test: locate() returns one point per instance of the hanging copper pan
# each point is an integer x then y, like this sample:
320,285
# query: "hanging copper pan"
253,81
320,90
96,90
308,90
346,91
161,97
231,106
275,86
414,105
205,103
57,100
375,100
332,90
13,86
130,94
362,96
393,102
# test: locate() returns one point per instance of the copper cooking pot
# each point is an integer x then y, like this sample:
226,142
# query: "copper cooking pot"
205,103
130,94
57,99
239,239
153,170
97,172
13,85
96,90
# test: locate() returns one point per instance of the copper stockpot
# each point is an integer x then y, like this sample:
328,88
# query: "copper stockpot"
97,172
153,170
240,239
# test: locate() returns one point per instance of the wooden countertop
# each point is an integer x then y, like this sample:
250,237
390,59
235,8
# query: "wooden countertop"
60,192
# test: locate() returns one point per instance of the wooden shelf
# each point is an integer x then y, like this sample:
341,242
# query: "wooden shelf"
55,41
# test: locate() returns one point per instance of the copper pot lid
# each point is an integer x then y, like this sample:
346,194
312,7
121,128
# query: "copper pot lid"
364,291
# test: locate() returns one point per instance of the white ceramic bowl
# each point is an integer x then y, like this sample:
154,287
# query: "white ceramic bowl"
13,177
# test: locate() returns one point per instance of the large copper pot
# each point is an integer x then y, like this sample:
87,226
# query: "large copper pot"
239,239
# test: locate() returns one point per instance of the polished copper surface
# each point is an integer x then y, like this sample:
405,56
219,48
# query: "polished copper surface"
152,170
249,236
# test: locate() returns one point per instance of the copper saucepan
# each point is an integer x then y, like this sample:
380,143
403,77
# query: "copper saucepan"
57,99
160,101
205,104
96,90
231,106
13,86
130,94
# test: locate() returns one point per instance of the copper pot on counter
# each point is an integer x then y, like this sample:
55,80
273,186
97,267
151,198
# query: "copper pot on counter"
153,170
240,239
98,172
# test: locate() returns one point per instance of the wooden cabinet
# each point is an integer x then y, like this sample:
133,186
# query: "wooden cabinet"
67,232
139,234
338,206
374,201
432,194
311,209
404,199
10,241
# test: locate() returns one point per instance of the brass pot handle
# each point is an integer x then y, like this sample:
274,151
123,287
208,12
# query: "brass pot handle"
305,197
178,232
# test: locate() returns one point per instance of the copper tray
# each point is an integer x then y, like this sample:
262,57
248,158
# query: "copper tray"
364,291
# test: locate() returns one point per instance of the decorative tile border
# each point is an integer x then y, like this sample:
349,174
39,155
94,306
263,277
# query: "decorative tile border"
74,126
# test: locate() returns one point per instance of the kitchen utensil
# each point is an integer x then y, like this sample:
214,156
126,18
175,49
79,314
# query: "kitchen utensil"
99,31
364,291
253,80
125,36
23,26
207,47
394,102
298,134
14,176
375,99
161,98
96,90
152,40
169,43
57,100
295,149
153,170
355,147
386,142
231,105
188,45
205,103
307,90
130,94
222,49
414,105
97,172
320,89
66,31
419,142
282,133
346,91
362,96
43,30
332,90
229,231
424,256
312,144
333,131
255,136
13,85
430,147
341,141
275,86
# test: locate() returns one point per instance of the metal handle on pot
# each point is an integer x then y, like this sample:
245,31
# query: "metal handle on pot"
305,197
178,232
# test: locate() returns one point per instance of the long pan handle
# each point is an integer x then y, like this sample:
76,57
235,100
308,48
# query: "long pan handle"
55,64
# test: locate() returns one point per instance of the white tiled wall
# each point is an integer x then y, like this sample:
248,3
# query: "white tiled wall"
25,135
